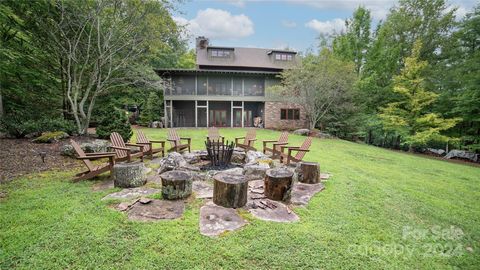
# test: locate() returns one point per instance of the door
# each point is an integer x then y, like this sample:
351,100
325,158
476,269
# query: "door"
248,118
218,118
237,117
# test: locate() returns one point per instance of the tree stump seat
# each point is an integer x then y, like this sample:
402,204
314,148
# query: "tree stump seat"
230,190
309,172
176,185
129,175
278,184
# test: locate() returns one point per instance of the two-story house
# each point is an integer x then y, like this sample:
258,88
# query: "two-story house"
229,88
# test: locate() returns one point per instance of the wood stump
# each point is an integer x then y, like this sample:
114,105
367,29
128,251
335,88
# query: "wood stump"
309,172
230,190
176,185
278,184
129,175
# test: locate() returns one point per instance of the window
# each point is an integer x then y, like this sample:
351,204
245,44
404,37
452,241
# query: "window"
283,56
289,114
220,53
201,85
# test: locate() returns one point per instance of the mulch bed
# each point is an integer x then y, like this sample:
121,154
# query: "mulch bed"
20,157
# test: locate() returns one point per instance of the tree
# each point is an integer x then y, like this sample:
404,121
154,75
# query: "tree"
353,44
317,86
114,120
103,45
152,110
410,116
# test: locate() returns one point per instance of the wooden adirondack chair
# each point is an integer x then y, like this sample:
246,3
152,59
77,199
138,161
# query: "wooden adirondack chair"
176,141
248,140
283,140
123,152
148,144
301,151
214,135
93,170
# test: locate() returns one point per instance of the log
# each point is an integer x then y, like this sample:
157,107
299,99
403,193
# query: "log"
230,190
176,185
309,172
129,175
278,184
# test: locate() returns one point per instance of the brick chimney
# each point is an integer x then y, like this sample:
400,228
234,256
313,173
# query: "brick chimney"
201,43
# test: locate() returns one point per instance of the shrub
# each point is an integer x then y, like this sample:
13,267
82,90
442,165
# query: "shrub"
114,120
17,126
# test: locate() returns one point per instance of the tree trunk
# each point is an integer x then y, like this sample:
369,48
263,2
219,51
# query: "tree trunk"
176,185
309,172
230,190
129,175
278,184
1,104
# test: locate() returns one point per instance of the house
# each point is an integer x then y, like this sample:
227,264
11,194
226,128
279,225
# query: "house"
230,88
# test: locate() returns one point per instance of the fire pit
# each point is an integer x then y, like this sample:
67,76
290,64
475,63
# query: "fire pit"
219,154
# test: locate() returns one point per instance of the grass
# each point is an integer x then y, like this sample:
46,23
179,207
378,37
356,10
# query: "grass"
374,198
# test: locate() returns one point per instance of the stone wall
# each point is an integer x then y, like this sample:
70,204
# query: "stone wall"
272,116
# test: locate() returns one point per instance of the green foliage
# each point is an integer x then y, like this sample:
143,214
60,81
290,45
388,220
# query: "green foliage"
114,120
409,116
50,137
17,126
152,110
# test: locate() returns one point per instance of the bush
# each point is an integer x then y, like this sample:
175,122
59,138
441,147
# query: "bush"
114,120
18,126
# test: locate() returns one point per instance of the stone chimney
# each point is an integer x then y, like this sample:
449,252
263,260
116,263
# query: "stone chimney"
201,43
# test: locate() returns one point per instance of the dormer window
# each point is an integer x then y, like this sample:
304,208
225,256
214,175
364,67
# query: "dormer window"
220,52
283,57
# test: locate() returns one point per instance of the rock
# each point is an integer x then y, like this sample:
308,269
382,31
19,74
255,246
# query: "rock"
439,152
203,190
50,137
302,132
191,158
253,172
155,179
144,200
156,210
269,210
321,135
172,161
132,193
302,193
252,157
202,154
238,157
215,220
32,135
463,155
210,174
156,124
88,147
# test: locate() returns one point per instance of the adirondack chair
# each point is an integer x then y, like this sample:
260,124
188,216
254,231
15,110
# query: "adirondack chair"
214,135
176,141
93,170
283,140
148,144
123,152
248,140
301,151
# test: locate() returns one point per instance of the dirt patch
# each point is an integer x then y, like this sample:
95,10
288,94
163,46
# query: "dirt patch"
20,157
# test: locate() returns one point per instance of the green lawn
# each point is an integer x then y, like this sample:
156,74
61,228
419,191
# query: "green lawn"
357,222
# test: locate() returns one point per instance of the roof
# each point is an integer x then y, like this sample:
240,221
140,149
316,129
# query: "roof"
244,58
182,71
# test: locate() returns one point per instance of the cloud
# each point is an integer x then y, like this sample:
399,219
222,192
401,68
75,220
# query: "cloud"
217,23
237,3
289,24
379,8
327,27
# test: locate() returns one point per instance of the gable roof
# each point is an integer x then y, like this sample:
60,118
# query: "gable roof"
248,58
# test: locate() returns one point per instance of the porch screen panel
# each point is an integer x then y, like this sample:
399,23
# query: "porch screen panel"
183,85
219,85
254,86
202,117
237,86
201,85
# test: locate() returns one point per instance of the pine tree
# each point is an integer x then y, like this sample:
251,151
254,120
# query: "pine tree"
114,120
410,116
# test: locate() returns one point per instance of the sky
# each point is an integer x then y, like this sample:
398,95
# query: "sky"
277,24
